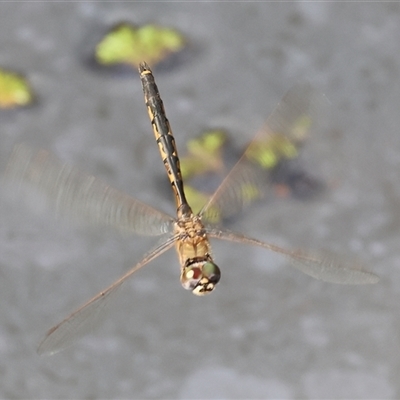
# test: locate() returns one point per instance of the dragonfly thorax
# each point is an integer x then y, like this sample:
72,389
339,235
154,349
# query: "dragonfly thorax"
200,275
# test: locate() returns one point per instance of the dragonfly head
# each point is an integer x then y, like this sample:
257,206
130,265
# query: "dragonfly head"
200,275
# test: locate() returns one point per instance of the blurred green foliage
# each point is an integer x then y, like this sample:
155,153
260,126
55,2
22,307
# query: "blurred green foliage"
130,45
15,91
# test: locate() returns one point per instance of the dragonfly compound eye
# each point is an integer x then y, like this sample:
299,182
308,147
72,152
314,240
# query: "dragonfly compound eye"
200,277
211,272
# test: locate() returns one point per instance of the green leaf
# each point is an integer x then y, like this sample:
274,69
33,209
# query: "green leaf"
130,45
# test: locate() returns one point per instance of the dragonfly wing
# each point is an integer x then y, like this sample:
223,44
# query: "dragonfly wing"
82,195
319,265
283,133
81,321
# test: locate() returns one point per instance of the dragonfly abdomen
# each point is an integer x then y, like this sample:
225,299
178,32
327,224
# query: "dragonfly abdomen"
163,133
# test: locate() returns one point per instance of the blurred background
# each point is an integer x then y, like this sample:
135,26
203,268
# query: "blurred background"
268,331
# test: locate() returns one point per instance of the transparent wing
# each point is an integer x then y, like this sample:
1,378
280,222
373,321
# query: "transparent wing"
81,321
318,265
81,195
285,130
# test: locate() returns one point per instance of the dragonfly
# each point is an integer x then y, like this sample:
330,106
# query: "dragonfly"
87,197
